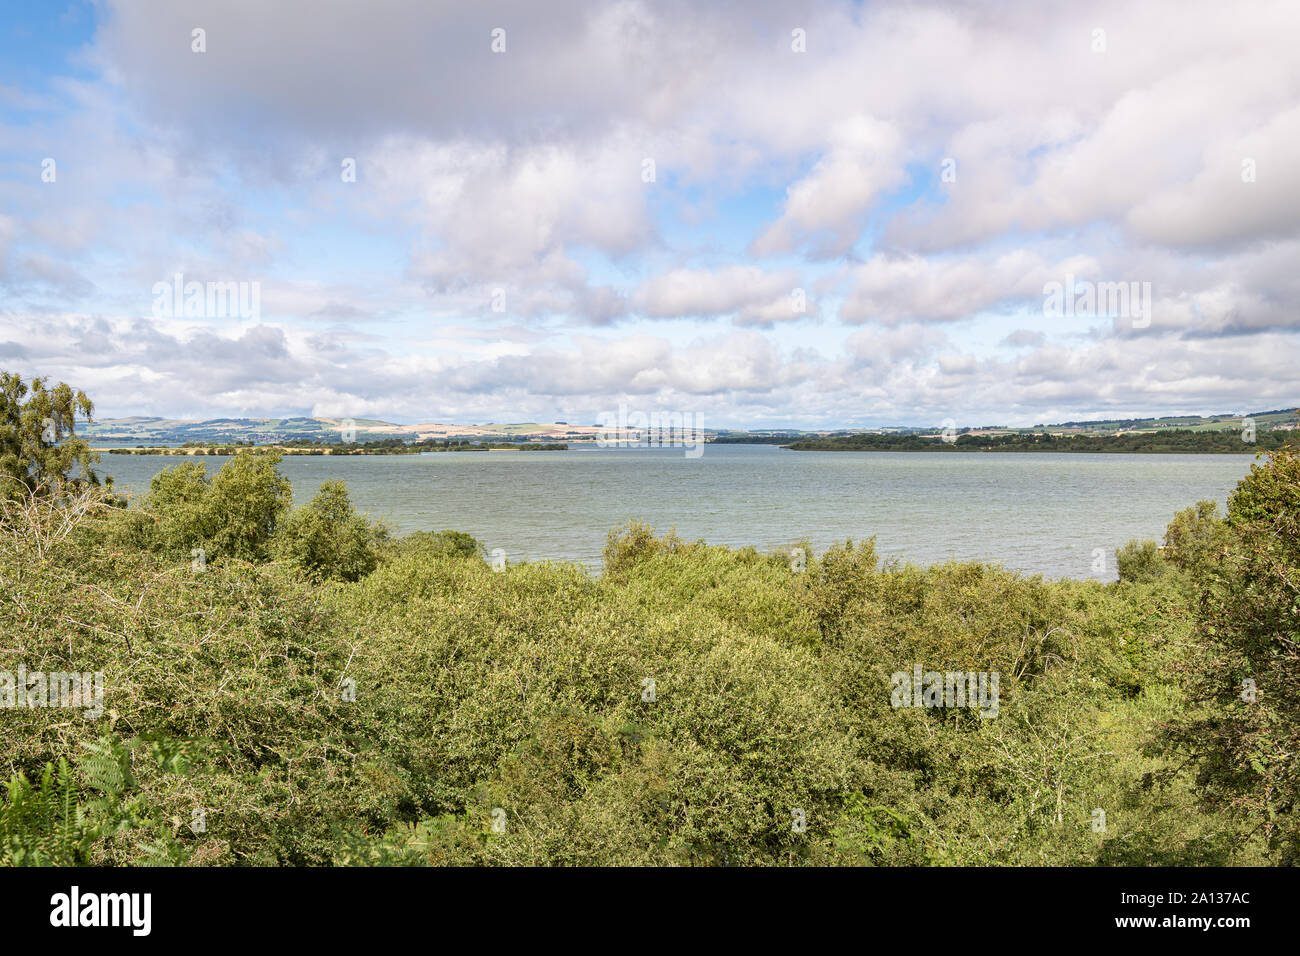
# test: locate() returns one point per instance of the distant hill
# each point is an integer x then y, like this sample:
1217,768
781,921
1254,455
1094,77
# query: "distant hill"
1264,421
141,430
154,431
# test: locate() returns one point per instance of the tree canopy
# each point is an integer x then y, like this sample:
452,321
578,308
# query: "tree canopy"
39,449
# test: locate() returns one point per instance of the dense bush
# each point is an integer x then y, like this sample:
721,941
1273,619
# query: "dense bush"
328,539
1140,561
1196,538
234,515
1243,728
246,513
316,694
1194,541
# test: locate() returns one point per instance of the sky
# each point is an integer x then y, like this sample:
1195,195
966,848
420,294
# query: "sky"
794,215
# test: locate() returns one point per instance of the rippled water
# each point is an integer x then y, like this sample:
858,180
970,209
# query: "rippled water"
1038,513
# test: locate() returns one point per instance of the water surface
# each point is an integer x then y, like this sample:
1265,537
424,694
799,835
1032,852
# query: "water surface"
1040,513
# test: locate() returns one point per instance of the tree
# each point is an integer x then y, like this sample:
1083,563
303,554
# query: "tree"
1245,734
328,539
1196,537
248,498
39,450
232,515
1140,561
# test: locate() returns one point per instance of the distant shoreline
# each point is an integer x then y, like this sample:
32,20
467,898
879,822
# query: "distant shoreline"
1047,451
1167,442
931,447
290,451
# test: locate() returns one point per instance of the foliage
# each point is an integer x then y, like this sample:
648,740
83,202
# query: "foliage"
43,825
1196,538
39,448
321,695
246,502
244,513
1243,730
61,820
1164,441
678,709
1140,561
328,539
430,545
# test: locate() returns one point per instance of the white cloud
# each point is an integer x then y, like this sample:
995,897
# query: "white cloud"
896,289
862,160
755,297
522,172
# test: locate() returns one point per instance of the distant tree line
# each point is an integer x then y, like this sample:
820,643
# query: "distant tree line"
751,439
1168,441
307,446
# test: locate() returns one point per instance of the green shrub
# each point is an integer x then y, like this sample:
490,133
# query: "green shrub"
178,511
1243,732
430,545
1196,538
338,698
1140,561
234,515
327,539
247,501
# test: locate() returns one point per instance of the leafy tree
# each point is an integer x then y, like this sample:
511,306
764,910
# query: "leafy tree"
235,514
1194,541
1245,734
39,450
1196,537
247,500
179,504
328,539
1140,561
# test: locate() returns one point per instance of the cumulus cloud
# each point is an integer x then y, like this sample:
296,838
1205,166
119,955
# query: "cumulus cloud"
624,199
861,162
891,289
754,297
